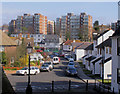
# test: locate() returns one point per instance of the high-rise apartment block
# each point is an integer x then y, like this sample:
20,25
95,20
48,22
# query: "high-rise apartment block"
27,23
40,23
19,23
58,26
12,26
50,27
75,26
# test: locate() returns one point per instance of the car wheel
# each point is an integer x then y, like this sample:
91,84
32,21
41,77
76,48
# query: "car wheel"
25,73
35,73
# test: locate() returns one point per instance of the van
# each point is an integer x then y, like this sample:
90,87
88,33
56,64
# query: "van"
56,60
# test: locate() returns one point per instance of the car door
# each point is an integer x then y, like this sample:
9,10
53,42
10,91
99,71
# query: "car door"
32,70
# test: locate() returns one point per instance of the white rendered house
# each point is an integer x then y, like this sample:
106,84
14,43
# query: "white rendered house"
115,83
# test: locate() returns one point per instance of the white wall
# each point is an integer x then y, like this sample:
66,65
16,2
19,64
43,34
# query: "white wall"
105,36
67,47
79,53
115,65
107,69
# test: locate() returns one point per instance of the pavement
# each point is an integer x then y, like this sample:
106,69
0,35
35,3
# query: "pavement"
43,81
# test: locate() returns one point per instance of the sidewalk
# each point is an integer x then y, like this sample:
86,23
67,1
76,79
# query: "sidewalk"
83,76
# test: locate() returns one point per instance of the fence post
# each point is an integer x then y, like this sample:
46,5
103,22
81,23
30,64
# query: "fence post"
52,86
113,90
108,89
99,87
95,83
69,85
87,86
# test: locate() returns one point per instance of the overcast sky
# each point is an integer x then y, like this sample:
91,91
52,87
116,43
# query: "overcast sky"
105,12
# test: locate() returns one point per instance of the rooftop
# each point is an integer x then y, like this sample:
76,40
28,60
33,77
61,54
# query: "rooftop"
6,40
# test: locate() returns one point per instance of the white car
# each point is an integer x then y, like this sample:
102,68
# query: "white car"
56,60
45,67
25,70
50,64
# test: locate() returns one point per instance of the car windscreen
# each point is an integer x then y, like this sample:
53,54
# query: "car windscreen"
71,64
24,68
72,69
47,63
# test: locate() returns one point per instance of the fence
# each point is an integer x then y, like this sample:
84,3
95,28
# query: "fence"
69,86
103,88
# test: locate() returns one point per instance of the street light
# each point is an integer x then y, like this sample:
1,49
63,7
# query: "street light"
29,88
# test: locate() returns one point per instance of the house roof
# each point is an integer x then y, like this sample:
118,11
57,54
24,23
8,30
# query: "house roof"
90,58
96,60
108,59
106,43
90,47
6,40
103,33
76,44
117,32
83,45
68,42
84,56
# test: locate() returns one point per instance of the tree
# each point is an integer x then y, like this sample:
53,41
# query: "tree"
96,26
3,58
80,36
68,35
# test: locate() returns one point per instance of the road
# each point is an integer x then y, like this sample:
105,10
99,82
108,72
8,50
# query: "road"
43,80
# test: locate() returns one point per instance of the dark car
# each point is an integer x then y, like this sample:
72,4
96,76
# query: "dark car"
71,71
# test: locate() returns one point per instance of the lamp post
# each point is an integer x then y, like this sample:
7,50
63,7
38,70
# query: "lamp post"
29,88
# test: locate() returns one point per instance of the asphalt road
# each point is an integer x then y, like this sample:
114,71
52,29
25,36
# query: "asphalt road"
43,80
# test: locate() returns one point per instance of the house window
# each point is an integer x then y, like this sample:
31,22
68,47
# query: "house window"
118,46
109,50
12,59
106,50
100,51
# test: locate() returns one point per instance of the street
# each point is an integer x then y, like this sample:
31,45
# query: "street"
43,80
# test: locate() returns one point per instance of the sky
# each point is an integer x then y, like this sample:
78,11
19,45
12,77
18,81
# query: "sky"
104,12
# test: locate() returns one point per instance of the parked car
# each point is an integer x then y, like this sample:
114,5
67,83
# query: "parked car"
24,71
68,57
50,64
56,60
71,71
71,64
62,55
51,56
45,67
65,55
71,60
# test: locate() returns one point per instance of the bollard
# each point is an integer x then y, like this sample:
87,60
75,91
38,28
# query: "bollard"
95,83
113,90
99,87
52,86
108,90
69,85
87,85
